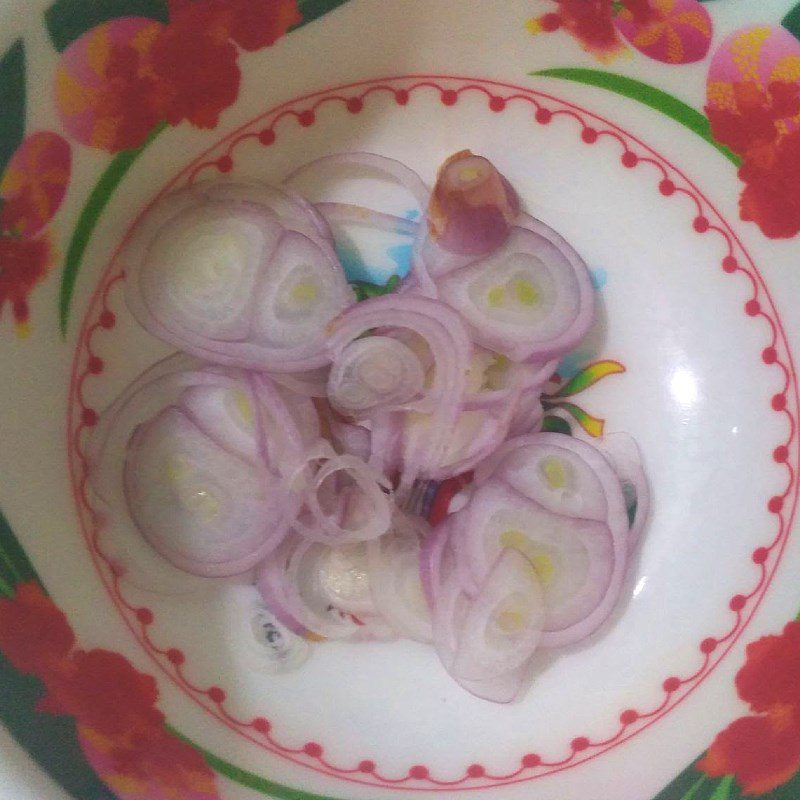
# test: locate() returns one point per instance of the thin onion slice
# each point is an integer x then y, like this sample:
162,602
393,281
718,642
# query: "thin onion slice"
395,581
502,689
373,372
233,273
293,211
562,473
288,425
118,540
419,280
155,388
531,299
451,610
201,507
348,214
302,288
445,336
387,168
528,414
626,458
225,413
344,576
351,438
475,435
503,623
494,390
146,466
345,499
578,561
433,561
313,383
288,581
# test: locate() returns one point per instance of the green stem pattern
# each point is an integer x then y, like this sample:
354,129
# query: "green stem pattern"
248,779
656,99
690,795
723,790
90,216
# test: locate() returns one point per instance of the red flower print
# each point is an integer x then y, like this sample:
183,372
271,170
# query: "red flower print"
753,105
196,65
23,264
119,80
753,126
129,97
251,24
771,675
763,751
195,58
673,31
148,765
771,196
34,183
260,23
590,22
15,211
105,86
34,634
104,692
753,88
120,729
211,18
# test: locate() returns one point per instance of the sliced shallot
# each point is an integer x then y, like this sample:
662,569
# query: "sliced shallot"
395,581
531,299
289,583
503,623
374,372
200,506
626,459
231,273
309,444
423,445
578,561
493,637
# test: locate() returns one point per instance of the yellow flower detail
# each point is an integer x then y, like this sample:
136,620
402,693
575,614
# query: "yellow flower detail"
533,25
71,96
787,69
98,50
720,95
746,50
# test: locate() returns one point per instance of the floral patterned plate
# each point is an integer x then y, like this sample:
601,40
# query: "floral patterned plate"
662,137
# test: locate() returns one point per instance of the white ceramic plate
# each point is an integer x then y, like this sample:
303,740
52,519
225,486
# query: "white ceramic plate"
697,306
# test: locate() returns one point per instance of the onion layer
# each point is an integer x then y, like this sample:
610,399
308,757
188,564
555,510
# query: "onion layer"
423,444
575,560
238,274
531,299
395,580
198,505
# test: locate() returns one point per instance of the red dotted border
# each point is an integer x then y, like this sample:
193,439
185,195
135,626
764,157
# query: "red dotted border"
734,259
